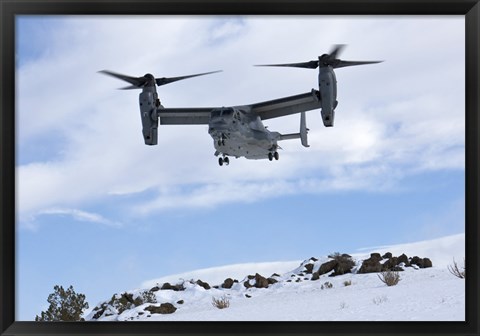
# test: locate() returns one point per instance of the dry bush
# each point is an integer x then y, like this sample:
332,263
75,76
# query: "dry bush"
456,271
380,299
221,303
390,278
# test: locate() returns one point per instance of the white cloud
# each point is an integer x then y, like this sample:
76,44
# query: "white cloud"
400,117
79,215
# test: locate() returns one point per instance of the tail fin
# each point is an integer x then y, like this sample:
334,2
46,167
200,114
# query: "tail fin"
303,132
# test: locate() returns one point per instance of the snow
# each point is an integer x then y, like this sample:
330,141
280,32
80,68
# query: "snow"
423,294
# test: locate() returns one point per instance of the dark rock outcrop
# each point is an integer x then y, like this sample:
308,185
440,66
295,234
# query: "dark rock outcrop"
176,288
203,284
371,264
228,283
164,308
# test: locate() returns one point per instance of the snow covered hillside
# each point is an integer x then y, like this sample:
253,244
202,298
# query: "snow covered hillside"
306,290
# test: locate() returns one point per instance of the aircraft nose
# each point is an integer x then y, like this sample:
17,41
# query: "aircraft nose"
217,125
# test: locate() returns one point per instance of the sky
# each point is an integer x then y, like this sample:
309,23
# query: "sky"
99,210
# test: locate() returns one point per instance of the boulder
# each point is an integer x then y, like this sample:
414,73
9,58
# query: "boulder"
390,264
176,288
371,264
315,276
203,284
228,283
260,281
327,267
427,263
271,281
387,255
421,262
164,308
309,268
403,259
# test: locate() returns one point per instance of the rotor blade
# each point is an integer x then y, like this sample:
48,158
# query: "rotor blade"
336,51
130,87
135,81
168,80
343,64
307,65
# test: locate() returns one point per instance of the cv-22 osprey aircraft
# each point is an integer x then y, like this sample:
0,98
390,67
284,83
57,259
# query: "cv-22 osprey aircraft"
238,131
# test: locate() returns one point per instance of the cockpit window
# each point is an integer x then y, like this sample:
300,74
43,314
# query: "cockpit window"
221,112
215,113
227,112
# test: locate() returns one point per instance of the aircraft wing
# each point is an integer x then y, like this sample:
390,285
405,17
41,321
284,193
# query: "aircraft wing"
185,116
287,105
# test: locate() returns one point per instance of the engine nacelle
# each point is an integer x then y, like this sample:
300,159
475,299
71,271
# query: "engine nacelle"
149,103
327,85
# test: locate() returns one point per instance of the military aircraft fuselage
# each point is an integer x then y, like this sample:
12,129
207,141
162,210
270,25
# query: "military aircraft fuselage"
238,132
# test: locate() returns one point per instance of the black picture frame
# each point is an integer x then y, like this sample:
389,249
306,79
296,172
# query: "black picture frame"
10,8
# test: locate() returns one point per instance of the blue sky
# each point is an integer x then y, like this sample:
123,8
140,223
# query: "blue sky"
99,210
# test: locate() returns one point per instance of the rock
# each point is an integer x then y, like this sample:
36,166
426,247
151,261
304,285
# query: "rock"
313,259
260,281
176,288
387,255
164,308
180,302
315,276
371,264
421,262
327,267
228,283
271,281
203,284
155,289
390,263
427,263
344,265
309,268
403,259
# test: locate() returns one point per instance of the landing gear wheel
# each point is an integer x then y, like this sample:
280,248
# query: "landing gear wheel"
275,155
220,161
226,160
270,156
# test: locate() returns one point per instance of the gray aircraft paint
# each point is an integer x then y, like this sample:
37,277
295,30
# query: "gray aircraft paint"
238,131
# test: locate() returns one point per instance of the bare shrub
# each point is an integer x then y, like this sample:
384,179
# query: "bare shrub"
347,283
390,278
344,263
327,285
380,299
456,271
221,303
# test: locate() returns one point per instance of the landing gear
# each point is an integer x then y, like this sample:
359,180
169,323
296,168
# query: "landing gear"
271,156
225,160
221,142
